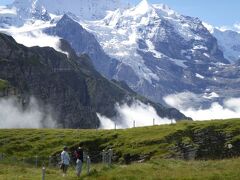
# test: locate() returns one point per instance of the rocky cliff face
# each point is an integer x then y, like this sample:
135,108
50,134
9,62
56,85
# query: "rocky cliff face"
84,42
229,41
69,84
211,142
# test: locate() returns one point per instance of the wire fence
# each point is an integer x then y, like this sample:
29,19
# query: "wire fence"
50,162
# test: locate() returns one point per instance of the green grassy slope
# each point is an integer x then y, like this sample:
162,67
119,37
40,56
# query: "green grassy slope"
155,144
153,170
132,144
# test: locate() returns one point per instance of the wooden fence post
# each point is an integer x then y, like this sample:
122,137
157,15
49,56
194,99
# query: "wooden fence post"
49,161
103,156
36,161
43,172
88,165
110,154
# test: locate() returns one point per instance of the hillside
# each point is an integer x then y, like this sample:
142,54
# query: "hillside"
159,152
184,140
66,86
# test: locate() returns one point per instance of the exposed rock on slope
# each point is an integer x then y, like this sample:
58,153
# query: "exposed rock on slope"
69,84
229,42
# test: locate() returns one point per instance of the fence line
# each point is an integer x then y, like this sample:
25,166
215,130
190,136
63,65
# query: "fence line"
107,157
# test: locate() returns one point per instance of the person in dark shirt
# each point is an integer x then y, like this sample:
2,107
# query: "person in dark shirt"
79,162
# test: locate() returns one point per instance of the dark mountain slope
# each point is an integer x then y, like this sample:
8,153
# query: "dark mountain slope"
70,85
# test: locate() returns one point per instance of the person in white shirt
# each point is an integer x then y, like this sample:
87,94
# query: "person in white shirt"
65,160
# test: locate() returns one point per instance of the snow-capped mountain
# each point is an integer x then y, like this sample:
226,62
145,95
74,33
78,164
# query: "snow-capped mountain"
159,51
229,41
158,27
22,11
154,49
85,9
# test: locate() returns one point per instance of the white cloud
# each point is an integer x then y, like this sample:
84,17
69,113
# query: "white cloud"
142,114
7,12
188,104
183,100
234,27
31,34
237,27
106,123
224,28
12,115
36,38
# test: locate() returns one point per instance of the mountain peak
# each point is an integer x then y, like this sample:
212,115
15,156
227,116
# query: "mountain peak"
143,7
66,17
144,3
67,21
165,10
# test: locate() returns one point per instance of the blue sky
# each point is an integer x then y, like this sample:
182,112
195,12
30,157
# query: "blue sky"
215,12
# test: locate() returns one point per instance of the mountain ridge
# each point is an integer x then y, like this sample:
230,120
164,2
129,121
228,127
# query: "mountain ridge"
70,84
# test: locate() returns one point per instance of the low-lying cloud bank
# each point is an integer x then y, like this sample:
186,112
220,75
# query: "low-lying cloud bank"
189,104
141,114
13,115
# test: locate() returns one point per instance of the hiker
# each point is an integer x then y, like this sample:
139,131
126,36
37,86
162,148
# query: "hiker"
79,162
65,160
